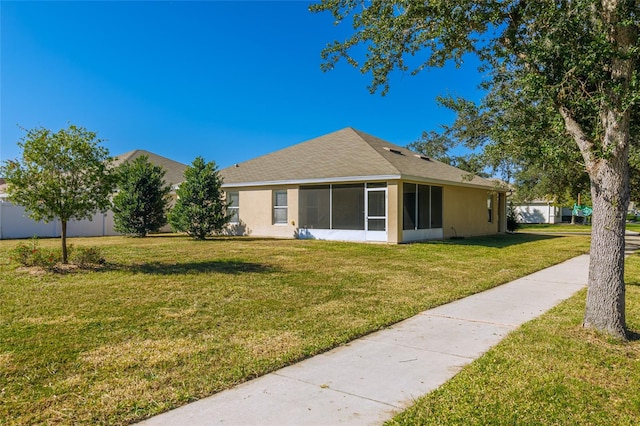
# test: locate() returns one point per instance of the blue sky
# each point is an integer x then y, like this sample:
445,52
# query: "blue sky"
225,80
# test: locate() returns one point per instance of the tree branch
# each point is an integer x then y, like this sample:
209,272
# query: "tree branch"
584,143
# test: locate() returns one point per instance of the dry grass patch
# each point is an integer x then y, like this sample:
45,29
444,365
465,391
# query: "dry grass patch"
133,354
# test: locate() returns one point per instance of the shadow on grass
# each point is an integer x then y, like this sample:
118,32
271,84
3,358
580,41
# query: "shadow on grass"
211,239
633,336
500,240
232,267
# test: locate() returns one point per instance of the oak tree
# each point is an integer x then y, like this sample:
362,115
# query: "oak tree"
576,58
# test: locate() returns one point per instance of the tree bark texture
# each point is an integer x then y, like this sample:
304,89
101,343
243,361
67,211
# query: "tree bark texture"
605,310
607,162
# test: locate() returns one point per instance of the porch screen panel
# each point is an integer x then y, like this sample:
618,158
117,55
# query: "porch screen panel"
409,206
436,207
314,207
348,207
423,206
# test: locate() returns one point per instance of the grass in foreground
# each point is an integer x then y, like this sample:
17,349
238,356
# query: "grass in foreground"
170,320
550,371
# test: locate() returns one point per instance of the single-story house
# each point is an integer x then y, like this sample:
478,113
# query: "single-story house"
15,222
352,186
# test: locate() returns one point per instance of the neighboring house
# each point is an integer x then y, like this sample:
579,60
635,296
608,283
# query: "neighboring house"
174,170
538,211
14,222
352,186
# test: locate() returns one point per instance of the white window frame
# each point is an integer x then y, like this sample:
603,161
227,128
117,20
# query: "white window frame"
277,207
230,208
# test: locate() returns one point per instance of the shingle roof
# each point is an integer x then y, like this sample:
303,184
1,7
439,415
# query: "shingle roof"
345,155
175,170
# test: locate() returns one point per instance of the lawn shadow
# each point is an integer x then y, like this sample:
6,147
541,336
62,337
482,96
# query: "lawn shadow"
633,336
501,240
209,239
231,267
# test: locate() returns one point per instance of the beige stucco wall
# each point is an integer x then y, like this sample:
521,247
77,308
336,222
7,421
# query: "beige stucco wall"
394,212
465,212
256,212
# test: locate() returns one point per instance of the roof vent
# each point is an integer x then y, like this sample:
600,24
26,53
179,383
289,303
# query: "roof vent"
395,151
422,157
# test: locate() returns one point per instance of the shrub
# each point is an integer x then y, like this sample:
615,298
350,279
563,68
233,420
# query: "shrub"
22,253
86,256
512,219
31,254
46,258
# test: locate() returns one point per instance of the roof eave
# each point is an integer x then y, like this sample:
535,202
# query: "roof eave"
313,181
466,184
328,180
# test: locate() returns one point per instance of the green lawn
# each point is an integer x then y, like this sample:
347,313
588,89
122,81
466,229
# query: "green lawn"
551,371
567,227
558,227
170,320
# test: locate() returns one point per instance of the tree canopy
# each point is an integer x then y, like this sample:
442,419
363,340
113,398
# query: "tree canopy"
141,204
65,175
557,72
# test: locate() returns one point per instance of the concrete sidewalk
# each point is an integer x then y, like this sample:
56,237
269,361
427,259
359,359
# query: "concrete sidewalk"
369,380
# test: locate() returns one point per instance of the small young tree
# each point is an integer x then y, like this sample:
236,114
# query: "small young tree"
200,209
141,204
64,175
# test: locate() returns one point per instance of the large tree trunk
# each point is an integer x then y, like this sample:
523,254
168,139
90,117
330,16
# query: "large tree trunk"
609,176
605,309
607,162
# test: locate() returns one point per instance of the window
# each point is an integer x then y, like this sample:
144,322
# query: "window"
233,198
422,206
315,207
490,207
280,206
